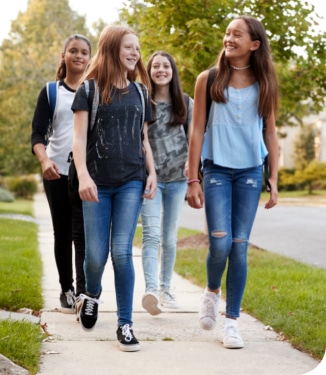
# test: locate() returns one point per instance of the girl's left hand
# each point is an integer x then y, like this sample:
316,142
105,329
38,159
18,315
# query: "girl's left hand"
151,187
273,194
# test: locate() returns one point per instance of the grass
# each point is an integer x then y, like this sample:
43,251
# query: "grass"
20,280
19,206
282,293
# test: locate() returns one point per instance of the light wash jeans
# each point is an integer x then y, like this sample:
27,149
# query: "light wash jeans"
110,225
160,218
231,201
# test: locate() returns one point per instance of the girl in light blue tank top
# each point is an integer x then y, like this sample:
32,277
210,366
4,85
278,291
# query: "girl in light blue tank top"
244,95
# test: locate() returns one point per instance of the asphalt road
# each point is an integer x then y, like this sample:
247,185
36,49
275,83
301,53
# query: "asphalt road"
298,232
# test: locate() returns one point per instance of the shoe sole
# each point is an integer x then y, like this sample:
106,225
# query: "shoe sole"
168,306
149,303
226,346
129,348
67,310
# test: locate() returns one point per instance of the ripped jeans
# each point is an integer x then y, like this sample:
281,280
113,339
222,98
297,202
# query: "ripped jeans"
231,201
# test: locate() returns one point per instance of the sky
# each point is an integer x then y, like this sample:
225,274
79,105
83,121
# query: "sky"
93,10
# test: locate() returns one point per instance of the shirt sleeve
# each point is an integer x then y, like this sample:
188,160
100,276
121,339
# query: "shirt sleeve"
41,119
80,102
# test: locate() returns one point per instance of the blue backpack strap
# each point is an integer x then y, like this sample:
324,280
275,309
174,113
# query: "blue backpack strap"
51,90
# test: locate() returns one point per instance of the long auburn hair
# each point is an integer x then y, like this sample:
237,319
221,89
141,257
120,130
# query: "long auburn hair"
179,109
106,67
62,70
262,66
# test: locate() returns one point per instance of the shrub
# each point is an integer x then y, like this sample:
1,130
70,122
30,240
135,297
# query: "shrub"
6,196
23,186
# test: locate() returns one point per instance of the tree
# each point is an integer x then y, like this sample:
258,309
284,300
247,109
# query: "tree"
192,31
304,147
29,58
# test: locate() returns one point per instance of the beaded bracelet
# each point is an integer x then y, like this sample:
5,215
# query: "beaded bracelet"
191,181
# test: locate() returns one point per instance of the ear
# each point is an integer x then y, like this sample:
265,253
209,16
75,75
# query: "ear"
255,45
62,55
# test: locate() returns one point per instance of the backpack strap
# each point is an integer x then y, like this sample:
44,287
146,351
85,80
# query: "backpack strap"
185,124
93,99
51,90
141,90
210,80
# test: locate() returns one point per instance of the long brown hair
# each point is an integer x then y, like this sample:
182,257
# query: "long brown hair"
262,66
179,109
106,67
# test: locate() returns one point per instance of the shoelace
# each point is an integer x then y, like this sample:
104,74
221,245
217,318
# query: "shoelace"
90,304
169,296
209,307
70,297
126,332
232,331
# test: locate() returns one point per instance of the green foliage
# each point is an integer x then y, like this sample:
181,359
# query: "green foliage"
22,186
312,176
30,57
304,146
6,196
280,292
21,266
21,342
193,30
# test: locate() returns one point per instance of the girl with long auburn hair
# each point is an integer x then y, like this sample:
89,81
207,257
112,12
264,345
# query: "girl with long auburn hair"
115,170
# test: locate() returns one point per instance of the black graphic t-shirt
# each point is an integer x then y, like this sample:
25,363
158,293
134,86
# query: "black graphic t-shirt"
115,153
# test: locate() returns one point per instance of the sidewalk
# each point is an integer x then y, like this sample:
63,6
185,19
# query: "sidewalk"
171,343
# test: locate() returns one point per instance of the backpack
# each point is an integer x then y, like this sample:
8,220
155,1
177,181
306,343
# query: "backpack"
210,79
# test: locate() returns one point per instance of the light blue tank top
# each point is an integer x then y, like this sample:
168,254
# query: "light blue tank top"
233,138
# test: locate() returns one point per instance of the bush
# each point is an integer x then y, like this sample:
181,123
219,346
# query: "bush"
6,196
23,186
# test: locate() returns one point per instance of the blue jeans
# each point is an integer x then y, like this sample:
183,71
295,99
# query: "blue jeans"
231,201
110,225
160,226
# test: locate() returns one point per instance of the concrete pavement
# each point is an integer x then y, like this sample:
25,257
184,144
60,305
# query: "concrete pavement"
171,343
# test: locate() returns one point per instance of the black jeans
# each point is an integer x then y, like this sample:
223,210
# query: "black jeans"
68,228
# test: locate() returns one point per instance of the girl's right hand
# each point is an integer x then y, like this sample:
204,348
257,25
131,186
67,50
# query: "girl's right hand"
88,189
195,196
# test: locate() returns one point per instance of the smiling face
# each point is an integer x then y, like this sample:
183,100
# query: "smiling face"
77,56
129,51
161,70
237,41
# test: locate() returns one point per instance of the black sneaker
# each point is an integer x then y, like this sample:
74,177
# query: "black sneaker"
67,300
88,311
127,340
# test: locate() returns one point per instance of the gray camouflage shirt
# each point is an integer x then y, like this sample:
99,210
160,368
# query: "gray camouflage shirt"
169,144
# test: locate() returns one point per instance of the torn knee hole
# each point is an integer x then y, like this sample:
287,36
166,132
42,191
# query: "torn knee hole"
239,240
218,233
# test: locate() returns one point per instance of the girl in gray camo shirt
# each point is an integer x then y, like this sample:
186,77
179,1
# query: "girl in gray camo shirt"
167,136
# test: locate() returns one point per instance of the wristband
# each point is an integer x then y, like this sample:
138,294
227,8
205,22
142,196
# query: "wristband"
191,181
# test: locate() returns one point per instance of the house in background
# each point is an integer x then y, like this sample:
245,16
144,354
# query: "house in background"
286,144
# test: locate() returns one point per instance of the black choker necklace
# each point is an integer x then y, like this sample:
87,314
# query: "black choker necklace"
236,68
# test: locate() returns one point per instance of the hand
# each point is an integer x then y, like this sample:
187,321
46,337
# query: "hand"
88,189
151,187
272,189
50,170
195,196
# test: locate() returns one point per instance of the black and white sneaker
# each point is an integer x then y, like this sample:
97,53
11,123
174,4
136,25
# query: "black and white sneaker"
87,309
67,300
127,340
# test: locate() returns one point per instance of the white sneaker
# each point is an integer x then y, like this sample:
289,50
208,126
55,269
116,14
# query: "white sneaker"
168,300
150,303
231,337
209,310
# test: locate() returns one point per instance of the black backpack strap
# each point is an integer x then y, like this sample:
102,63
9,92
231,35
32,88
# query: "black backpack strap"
210,80
266,164
185,124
